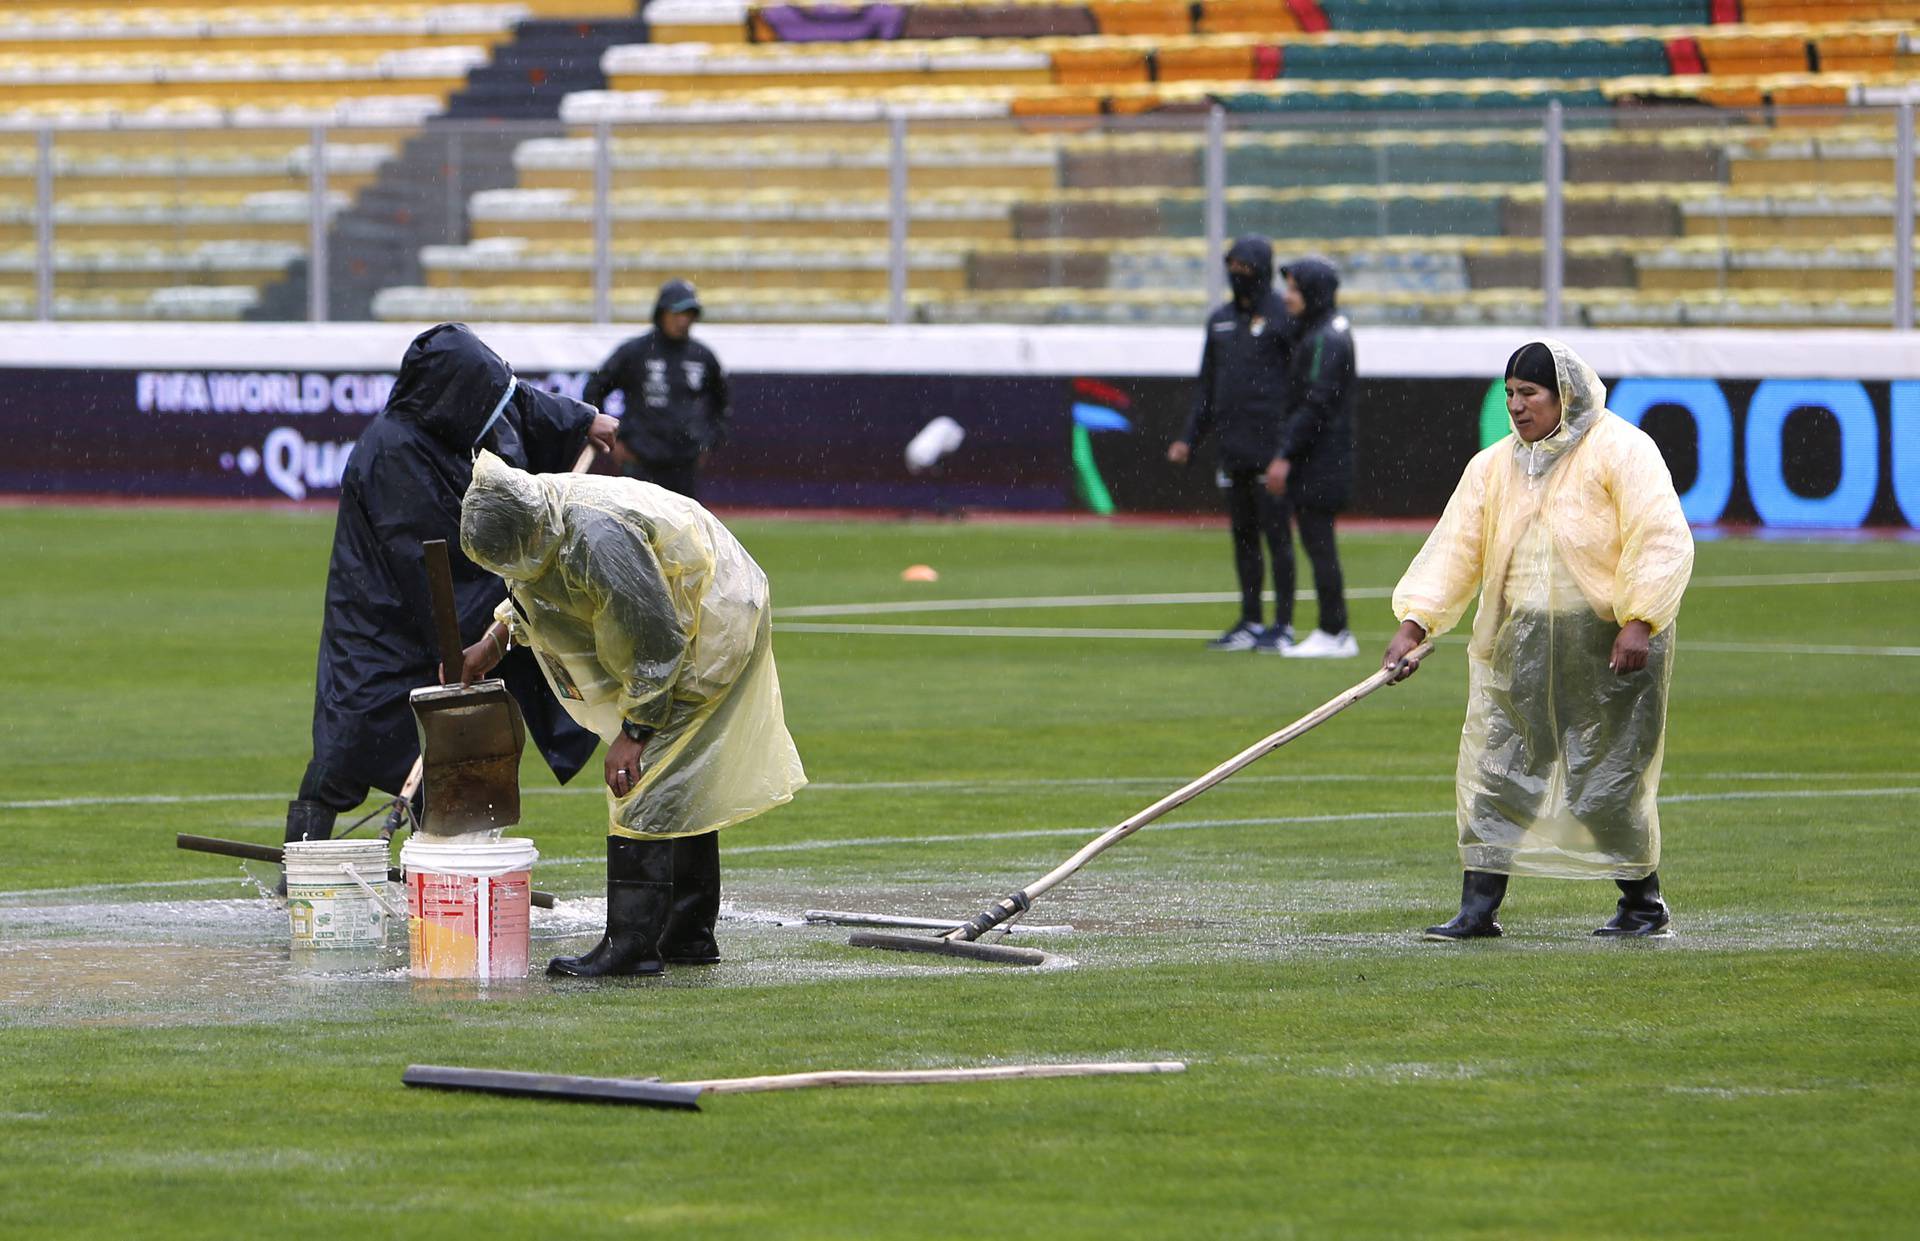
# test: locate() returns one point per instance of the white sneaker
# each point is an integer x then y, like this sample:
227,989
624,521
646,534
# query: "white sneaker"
1323,645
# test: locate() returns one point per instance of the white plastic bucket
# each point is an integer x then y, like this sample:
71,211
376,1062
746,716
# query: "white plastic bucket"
468,906
334,909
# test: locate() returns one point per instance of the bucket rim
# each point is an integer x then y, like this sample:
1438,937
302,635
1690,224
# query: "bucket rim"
481,859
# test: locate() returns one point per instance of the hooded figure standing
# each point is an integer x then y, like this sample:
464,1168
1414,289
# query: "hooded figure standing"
1243,396
677,408
1572,533
654,628
402,486
1313,468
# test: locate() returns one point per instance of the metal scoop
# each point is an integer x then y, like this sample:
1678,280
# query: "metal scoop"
470,736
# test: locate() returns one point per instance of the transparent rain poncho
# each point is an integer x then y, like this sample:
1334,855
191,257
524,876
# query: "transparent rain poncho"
641,606
1566,540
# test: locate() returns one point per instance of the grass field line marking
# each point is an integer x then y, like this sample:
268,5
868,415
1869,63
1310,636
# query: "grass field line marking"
995,784
994,631
803,846
140,799
1799,648
83,889
1037,602
1033,833
1194,635
1790,794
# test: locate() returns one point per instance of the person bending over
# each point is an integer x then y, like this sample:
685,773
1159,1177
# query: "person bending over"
402,486
655,629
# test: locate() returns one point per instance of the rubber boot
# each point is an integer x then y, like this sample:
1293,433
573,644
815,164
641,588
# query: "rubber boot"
688,939
639,889
306,820
1480,895
1640,913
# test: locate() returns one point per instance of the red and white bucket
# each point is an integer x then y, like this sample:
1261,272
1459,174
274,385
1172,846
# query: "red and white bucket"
468,906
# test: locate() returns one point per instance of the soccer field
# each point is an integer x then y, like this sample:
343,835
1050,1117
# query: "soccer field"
164,1072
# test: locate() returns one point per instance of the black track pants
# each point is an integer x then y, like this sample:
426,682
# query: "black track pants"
1253,514
335,792
682,477
1316,535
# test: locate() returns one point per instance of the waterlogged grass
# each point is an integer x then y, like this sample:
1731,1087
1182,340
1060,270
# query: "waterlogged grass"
163,1074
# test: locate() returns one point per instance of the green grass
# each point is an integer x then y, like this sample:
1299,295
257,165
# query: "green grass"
1755,1076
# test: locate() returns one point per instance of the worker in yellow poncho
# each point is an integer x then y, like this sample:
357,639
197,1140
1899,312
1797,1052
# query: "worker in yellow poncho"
1572,533
654,628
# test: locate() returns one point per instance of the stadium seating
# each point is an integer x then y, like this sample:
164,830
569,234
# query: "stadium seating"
1055,164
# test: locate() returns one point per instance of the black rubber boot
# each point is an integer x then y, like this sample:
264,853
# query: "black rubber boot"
1480,895
639,889
306,820
1641,913
688,939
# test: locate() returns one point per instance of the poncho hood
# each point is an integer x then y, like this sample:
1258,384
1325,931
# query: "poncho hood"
510,522
451,385
1583,398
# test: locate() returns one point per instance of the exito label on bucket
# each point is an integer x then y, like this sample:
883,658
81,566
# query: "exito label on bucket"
334,897
468,926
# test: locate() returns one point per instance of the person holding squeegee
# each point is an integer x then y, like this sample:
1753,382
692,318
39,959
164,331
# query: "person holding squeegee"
1572,534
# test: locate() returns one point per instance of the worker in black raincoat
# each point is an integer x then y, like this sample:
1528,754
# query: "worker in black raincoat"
1242,396
676,401
1313,468
402,486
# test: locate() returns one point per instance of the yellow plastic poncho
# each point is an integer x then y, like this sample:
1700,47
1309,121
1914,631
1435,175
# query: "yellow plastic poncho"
641,606
1566,540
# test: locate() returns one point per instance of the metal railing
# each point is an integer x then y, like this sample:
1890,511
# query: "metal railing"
1215,138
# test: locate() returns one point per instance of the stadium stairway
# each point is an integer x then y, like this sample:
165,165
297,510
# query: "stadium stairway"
415,202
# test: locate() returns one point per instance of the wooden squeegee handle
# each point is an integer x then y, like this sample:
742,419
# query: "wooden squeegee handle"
446,618
1018,903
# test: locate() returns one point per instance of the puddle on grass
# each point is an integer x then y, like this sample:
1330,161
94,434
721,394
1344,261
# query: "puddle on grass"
158,956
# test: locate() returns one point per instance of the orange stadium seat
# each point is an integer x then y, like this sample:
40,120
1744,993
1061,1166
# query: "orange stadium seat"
1165,17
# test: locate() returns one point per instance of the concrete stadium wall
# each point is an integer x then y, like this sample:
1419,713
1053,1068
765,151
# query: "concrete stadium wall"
1807,429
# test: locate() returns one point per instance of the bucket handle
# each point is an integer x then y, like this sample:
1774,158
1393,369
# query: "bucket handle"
346,868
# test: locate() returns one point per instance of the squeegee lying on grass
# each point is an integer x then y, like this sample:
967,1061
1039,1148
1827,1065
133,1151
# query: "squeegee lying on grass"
846,917
652,1092
959,942
274,853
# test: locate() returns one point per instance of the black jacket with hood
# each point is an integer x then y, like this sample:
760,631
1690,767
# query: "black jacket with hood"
1243,368
675,392
1318,437
403,485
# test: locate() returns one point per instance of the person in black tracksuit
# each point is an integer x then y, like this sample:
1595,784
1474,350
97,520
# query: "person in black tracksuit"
1313,469
676,408
1243,395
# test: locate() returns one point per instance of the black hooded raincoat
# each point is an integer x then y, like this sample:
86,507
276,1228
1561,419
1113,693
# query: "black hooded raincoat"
402,486
1243,369
1317,440
677,404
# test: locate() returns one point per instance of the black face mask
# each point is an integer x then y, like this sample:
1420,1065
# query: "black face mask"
1246,285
